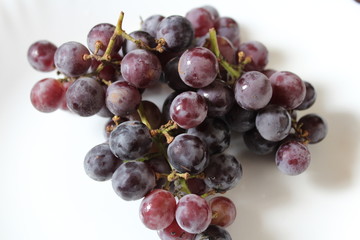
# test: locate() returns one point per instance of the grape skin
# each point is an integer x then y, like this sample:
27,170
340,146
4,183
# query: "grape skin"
257,144
227,27
172,77
133,180
315,126
240,120
201,20
174,232
40,55
224,211
310,97
193,213
151,23
145,37
102,32
258,54
214,232
85,97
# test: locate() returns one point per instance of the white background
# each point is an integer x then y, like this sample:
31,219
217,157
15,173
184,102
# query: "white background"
45,194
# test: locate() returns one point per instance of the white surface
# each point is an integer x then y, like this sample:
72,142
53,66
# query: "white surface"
45,194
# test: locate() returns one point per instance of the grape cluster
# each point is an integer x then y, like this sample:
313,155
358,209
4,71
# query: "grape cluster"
175,159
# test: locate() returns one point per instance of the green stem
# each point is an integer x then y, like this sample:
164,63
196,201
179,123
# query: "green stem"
143,118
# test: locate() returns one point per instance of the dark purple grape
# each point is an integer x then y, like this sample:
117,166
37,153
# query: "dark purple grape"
175,232
188,153
273,123
268,72
172,77
292,158
198,67
166,106
159,165
240,120
130,140
253,90
111,125
151,23
102,33
214,232
226,48
133,180
69,59
188,109
201,20
196,186
41,55
219,96
212,10
223,211
141,68
100,163
145,37
223,172
85,97
310,97
315,126
214,132
108,72
177,32
47,95
122,99
227,27
289,90
258,54
257,144
151,112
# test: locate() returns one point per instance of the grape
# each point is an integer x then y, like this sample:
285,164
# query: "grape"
223,172
310,97
40,55
122,99
197,186
213,11
240,120
253,90
257,144
273,123
219,96
63,104
289,90
268,72
100,163
198,67
108,72
102,33
315,126
151,23
177,31
172,77
226,48
201,20
193,213
141,68
214,132
85,97
188,153
223,211
174,232
133,180
47,94
157,209
152,114
188,109
258,54
130,140
111,125
69,59
214,232
145,37
292,158
166,106
227,27
159,165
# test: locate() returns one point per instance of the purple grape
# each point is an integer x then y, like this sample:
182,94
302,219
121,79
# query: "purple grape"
108,72
85,97
188,153
196,186
292,158
122,99
223,172
212,10
201,20
240,120
102,33
133,180
159,165
47,94
253,90
177,32
289,90
41,55
227,27
145,37
198,67
223,211
214,132
151,23
172,77
166,106
219,96
130,140
174,232
100,163
226,48
69,59
188,109
310,97
151,112
257,144
141,68
315,126
214,232
193,213
258,54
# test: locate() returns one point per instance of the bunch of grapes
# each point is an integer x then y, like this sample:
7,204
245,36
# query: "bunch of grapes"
175,159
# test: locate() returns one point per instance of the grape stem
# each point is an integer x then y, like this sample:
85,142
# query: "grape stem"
143,118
